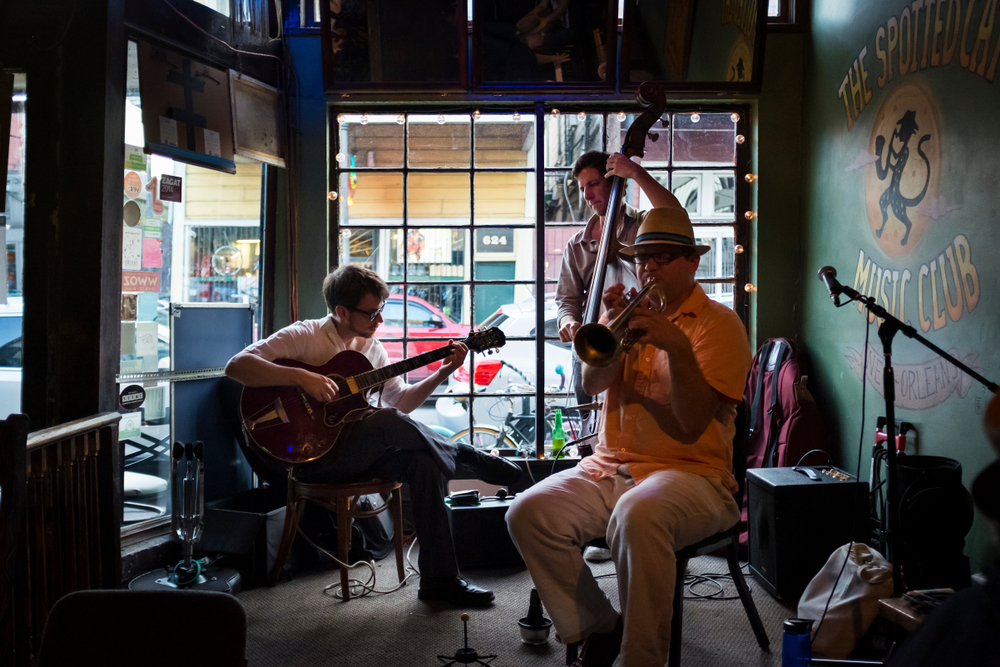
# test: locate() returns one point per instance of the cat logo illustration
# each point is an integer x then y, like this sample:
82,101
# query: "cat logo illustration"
906,144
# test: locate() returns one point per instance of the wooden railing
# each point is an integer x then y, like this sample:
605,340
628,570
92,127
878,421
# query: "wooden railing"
61,512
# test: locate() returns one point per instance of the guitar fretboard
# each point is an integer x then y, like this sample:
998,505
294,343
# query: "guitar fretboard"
378,376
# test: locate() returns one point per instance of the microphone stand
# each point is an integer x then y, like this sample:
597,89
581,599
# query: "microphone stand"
886,332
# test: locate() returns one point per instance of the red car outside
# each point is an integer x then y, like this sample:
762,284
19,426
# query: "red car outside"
425,320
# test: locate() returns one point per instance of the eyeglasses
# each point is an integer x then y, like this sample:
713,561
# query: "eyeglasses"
372,314
662,258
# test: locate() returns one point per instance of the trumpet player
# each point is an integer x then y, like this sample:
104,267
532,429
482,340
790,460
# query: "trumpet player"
661,476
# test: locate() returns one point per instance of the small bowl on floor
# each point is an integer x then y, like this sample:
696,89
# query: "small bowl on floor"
535,635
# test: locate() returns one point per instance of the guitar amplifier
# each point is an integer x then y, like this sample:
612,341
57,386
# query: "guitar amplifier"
481,537
796,518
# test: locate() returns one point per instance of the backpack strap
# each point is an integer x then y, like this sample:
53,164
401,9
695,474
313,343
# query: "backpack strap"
782,352
762,355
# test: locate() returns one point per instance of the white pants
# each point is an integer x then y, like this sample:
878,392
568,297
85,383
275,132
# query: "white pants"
644,525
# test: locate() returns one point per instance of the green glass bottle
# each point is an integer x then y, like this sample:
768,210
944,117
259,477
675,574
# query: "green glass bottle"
558,435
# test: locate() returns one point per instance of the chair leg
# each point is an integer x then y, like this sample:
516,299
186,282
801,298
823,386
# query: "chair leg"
287,538
746,598
571,652
674,659
396,509
344,526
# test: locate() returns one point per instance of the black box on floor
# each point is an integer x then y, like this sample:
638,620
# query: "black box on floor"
481,537
247,527
795,522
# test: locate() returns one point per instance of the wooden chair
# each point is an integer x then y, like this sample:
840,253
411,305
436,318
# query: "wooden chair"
342,500
728,539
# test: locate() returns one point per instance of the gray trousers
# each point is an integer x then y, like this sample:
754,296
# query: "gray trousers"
644,524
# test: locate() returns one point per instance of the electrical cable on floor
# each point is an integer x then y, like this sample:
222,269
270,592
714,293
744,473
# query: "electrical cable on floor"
357,587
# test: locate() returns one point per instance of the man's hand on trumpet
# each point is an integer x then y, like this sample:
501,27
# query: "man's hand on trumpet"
614,300
658,330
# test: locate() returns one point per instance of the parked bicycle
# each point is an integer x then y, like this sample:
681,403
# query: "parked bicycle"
516,434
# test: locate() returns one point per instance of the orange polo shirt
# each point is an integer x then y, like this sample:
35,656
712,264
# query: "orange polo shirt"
637,424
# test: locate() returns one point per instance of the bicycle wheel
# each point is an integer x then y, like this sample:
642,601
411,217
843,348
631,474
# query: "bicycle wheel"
485,438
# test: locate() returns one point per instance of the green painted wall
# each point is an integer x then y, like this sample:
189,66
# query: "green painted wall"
944,280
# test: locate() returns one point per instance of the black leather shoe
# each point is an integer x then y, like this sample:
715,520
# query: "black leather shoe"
490,469
601,648
454,590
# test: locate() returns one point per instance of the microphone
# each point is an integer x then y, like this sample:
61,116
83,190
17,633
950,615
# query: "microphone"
828,275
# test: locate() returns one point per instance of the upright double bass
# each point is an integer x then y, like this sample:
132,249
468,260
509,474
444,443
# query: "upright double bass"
654,99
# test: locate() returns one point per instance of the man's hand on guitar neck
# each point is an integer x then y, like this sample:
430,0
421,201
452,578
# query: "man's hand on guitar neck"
453,361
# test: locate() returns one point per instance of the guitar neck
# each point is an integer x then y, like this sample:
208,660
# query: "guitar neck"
378,376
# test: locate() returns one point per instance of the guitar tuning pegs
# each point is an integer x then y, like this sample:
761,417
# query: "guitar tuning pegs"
653,136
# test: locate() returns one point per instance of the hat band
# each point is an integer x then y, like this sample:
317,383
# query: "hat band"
665,237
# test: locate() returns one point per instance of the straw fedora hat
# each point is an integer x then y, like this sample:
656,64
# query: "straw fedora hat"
665,225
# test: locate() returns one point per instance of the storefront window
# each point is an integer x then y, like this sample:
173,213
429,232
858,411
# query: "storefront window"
189,235
12,239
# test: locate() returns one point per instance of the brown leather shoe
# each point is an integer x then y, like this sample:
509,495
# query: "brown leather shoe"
601,648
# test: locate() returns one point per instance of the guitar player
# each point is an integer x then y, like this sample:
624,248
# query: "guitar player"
384,442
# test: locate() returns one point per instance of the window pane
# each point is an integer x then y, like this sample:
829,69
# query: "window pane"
554,42
432,254
438,141
504,197
655,151
707,138
392,42
505,141
563,199
440,199
370,198
373,141
556,241
717,263
724,185
687,189
570,135
504,254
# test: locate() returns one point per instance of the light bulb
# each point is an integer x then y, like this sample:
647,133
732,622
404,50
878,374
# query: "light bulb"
750,178
735,117
332,195
740,138
695,117
364,119
750,215
621,115
581,116
339,158
555,112
749,287
340,118
738,249
400,119
440,119
475,114
517,116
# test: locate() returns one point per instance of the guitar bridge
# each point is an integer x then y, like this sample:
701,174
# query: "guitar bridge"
272,415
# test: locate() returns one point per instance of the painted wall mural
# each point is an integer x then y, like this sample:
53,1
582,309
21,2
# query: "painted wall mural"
903,156
885,93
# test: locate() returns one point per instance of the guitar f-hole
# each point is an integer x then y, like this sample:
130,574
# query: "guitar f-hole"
271,415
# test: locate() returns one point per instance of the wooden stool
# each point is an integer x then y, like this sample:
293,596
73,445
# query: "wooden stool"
340,498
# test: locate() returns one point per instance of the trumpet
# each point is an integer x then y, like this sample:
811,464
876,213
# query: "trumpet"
600,345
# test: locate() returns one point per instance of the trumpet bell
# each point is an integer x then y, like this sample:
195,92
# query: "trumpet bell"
596,345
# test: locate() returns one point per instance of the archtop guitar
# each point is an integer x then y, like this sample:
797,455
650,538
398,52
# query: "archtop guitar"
293,427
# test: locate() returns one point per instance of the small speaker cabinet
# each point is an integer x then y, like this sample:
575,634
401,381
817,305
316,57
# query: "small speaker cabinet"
797,517
481,537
